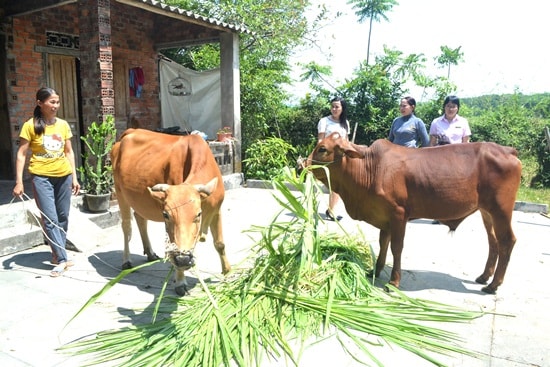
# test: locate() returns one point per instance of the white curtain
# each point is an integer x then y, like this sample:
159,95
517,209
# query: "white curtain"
190,99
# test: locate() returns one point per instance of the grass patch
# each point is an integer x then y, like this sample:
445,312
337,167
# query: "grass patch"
531,195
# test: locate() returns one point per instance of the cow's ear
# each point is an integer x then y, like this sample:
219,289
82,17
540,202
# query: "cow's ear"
207,189
352,153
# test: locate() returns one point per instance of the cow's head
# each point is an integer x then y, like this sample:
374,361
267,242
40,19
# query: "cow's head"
329,152
181,209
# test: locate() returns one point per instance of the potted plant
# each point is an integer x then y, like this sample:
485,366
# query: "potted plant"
225,133
96,173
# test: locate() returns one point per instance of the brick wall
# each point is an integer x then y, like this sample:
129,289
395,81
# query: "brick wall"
132,32
25,73
131,36
110,33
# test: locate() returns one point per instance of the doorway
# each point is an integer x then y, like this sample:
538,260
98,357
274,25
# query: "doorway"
64,78
7,171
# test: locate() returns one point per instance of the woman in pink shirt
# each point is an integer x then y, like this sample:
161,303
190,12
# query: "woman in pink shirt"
450,128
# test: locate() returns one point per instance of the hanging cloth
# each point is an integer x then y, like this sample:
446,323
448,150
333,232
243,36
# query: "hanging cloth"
136,81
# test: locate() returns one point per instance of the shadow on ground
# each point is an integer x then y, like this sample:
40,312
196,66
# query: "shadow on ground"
419,280
40,260
150,279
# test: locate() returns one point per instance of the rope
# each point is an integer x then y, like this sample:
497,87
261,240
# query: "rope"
24,197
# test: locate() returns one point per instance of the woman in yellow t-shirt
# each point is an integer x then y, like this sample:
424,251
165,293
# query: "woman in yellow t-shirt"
53,172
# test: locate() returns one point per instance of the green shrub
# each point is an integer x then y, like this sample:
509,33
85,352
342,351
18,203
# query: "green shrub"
96,173
542,179
266,158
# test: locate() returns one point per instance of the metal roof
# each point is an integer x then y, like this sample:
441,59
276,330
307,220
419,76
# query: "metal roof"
170,10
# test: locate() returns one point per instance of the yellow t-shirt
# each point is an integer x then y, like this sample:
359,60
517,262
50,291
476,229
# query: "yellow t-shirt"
48,150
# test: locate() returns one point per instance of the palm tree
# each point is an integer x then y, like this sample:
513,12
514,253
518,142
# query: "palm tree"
449,57
374,10
316,73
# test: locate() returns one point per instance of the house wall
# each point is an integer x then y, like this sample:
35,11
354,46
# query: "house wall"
131,30
114,38
25,72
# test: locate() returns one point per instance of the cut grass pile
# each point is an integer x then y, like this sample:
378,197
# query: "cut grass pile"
303,286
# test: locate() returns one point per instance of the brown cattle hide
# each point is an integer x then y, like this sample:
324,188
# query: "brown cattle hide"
386,185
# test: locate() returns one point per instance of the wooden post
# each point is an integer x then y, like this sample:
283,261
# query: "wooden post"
547,131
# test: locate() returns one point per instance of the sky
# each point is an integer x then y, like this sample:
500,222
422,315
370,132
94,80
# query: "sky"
504,42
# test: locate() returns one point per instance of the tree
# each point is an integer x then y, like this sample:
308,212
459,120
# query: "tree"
449,57
276,28
373,10
315,74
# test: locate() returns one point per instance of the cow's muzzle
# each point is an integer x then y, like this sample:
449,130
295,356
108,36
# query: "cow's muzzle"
184,259
181,259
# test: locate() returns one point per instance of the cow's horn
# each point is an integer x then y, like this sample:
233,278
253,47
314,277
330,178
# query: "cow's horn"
160,187
208,188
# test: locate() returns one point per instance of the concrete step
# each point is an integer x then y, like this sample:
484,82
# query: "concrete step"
19,230
526,207
19,238
86,229
20,227
16,213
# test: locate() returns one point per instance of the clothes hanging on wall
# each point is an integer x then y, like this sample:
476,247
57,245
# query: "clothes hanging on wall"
136,80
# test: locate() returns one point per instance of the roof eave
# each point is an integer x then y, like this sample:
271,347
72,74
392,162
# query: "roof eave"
184,15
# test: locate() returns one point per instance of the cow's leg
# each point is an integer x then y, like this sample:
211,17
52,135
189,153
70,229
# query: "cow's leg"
384,240
126,224
181,283
147,249
504,241
397,236
204,229
493,249
217,235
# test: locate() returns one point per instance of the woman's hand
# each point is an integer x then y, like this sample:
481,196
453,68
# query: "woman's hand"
19,189
76,186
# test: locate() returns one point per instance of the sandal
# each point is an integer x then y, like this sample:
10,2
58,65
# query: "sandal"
61,268
331,218
58,271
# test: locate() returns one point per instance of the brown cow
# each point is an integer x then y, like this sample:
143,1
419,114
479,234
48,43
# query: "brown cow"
171,179
386,185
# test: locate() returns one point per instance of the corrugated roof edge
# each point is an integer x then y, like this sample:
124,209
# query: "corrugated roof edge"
190,14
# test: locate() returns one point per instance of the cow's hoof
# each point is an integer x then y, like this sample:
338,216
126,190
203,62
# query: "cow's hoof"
489,290
181,290
481,280
152,257
389,287
127,265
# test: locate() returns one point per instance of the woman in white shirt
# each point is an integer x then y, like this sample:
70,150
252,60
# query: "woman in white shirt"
337,121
